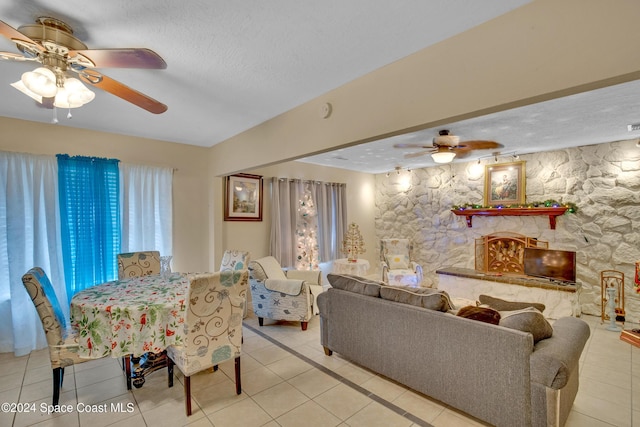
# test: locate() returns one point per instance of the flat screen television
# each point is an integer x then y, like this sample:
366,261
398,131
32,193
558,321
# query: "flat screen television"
550,264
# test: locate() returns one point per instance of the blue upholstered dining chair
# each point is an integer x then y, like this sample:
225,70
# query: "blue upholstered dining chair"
212,328
62,342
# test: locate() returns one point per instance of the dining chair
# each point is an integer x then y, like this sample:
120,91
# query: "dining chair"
212,328
62,341
236,260
136,264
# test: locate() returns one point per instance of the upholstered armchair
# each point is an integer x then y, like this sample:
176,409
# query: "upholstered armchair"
137,264
62,342
396,265
283,296
235,261
213,326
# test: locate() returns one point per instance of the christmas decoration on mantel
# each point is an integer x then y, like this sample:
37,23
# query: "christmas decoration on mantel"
571,207
353,244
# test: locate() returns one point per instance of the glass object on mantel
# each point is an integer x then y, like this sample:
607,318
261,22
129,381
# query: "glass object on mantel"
165,265
353,244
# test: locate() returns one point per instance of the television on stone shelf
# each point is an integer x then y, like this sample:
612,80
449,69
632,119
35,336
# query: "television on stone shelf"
550,264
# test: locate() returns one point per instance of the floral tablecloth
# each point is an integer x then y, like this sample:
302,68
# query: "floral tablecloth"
131,316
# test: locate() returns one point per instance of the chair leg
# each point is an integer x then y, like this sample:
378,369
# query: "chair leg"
304,325
57,379
187,394
170,371
127,370
61,376
260,321
238,380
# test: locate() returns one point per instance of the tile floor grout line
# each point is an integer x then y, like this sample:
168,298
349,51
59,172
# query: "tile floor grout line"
347,382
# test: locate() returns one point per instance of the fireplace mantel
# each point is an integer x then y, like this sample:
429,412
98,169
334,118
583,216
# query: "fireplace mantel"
551,212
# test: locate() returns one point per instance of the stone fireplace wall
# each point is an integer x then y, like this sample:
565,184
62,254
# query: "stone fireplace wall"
603,180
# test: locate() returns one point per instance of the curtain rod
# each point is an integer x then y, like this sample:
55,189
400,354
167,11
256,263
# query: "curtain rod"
311,180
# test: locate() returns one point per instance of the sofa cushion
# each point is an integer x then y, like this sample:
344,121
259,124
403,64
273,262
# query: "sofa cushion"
482,314
397,261
432,299
503,305
359,285
527,320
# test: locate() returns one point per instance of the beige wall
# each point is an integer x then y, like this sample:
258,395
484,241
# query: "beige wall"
190,183
254,236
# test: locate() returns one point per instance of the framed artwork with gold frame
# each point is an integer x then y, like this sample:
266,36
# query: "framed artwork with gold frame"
243,198
504,184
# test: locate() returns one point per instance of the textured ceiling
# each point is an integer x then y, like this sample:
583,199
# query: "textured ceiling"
233,65
586,118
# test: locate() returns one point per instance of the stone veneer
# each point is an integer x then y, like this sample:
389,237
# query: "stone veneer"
603,180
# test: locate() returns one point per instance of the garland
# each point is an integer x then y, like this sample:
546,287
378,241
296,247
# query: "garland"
571,207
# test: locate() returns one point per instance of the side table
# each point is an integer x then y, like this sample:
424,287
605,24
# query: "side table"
359,267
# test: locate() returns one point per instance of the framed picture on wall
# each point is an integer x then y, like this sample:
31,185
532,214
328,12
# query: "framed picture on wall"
504,184
243,198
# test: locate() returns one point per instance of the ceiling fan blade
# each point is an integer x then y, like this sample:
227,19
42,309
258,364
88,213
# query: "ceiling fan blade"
478,145
16,36
118,58
122,91
14,57
403,145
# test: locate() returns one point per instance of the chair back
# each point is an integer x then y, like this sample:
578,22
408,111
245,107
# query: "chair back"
395,252
137,264
235,260
213,327
44,299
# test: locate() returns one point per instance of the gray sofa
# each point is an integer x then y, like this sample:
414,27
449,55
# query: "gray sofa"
491,372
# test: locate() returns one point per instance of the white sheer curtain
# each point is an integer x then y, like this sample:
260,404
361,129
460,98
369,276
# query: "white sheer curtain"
147,208
330,202
29,237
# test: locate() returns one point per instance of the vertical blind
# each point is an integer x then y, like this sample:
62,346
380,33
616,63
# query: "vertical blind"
89,192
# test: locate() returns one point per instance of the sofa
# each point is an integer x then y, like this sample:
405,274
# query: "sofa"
494,373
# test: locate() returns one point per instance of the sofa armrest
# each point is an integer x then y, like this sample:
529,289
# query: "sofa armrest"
553,359
311,276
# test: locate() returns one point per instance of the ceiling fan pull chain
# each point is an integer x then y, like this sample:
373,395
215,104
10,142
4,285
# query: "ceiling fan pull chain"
69,114
55,116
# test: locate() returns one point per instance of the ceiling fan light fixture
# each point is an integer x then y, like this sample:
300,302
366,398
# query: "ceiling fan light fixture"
443,156
73,94
41,81
22,88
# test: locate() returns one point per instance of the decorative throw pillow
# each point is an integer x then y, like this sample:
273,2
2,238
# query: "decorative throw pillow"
432,299
503,305
356,284
397,261
527,320
481,314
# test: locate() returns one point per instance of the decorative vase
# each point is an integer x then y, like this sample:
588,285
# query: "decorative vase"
165,265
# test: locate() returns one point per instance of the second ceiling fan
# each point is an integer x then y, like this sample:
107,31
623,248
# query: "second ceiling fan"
446,147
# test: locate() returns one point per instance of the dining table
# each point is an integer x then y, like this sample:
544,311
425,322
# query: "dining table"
137,317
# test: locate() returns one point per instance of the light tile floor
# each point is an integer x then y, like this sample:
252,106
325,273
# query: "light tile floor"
283,389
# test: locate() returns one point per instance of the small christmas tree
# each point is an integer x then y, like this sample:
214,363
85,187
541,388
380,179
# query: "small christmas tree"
352,244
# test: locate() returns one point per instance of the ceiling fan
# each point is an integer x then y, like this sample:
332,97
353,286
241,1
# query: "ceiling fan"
51,43
446,146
